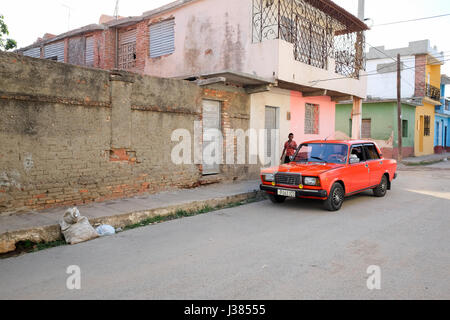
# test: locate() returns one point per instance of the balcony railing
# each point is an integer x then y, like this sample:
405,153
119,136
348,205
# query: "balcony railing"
316,35
433,92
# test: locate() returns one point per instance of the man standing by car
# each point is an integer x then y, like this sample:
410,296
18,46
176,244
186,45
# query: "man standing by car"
290,147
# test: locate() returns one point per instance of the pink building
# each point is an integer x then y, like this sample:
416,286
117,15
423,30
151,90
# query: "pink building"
295,57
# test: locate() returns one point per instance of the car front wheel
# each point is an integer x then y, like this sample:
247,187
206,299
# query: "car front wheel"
381,190
276,198
336,198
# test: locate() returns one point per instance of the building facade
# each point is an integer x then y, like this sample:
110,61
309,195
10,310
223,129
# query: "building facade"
295,58
420,89
442,118
379,123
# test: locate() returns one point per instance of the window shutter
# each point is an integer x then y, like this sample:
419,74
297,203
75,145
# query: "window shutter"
54,50
34,53
162,38
90,51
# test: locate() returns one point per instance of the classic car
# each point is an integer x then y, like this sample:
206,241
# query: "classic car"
330,171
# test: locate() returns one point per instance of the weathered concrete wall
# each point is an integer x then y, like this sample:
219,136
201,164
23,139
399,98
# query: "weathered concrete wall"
71,135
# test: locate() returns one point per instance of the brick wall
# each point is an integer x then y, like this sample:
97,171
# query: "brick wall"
71,135
420,77
392,153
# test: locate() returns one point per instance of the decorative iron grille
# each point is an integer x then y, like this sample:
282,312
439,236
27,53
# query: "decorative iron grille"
433,92
316,35
127,56
427,126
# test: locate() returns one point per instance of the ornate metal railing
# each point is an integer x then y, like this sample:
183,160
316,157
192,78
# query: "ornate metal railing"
433,92
316,36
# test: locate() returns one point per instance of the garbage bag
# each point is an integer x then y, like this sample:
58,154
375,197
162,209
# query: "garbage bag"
105,230
76,228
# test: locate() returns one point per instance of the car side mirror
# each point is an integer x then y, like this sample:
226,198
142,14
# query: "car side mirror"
354,159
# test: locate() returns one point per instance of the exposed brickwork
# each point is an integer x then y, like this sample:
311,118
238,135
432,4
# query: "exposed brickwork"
420,77
441,149
56,134
392,153
142,45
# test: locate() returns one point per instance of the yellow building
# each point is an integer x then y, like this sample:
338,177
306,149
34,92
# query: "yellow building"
428,82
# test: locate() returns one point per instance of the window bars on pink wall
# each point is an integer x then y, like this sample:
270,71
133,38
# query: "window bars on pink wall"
317,32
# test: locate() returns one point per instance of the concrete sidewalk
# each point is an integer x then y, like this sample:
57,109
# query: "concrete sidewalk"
43,226
426,159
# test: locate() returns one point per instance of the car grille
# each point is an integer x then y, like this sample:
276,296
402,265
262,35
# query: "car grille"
288,179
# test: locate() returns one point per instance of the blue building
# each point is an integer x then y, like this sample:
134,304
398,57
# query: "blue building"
442,118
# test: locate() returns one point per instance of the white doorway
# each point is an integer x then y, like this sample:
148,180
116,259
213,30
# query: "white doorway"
272,141
211,121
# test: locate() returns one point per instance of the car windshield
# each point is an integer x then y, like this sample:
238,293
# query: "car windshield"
322,152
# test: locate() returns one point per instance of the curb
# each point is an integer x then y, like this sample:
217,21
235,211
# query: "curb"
50,233
423,162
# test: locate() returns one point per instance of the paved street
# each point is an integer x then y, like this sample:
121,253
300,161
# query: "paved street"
262,251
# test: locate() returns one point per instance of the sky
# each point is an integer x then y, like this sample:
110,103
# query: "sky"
28,20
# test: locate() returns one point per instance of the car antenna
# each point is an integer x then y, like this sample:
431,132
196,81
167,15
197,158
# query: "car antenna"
328,137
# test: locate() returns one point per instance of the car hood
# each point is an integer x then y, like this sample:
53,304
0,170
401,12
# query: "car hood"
310,168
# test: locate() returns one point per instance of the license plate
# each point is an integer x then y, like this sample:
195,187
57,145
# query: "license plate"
286,193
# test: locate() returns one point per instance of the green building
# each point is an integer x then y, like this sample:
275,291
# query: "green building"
380,124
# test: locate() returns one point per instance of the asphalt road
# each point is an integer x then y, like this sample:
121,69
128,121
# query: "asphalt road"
264,251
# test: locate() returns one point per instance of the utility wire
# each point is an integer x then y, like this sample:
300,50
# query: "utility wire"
369,74
395,60
412,20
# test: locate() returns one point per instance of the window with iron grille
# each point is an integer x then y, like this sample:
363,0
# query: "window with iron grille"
127,56
427,125
311,118
366,129
127,49
316,34
311,43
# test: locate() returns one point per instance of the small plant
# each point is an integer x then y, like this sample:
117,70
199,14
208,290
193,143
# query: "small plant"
5,43
422,163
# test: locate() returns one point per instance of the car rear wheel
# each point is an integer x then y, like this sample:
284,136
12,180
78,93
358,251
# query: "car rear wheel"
276,198
381,190
336,198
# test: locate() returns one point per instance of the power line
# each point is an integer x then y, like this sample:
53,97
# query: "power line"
395,60
412,20
369,74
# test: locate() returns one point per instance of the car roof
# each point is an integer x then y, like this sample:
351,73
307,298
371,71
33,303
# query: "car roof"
348,142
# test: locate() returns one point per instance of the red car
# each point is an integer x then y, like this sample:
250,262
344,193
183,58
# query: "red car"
330,171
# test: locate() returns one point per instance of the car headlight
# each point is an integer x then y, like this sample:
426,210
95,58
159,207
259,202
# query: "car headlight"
309,181
269,177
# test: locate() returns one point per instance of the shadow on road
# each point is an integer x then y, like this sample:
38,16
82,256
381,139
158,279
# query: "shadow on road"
317,205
